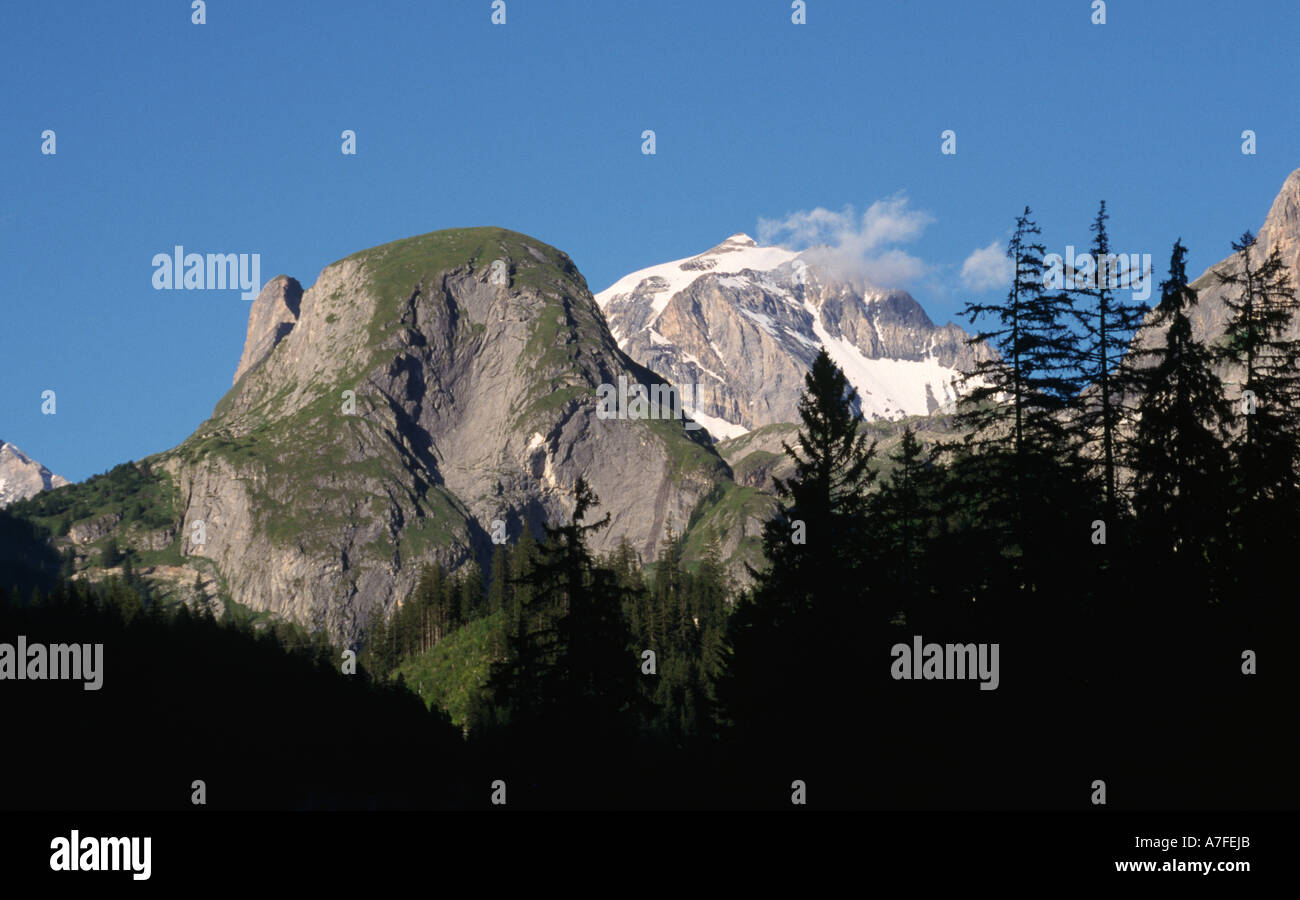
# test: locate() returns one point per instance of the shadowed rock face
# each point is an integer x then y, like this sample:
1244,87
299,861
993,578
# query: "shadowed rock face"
272,317
745,322
415,393
22,477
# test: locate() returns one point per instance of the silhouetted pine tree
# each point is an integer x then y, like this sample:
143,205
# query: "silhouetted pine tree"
570,670
1021,448
1265,453
1109,324
1255,341
794,640
903,515
1178,453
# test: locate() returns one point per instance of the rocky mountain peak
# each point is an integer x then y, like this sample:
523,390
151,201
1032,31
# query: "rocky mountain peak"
1281,228
744,322
737,240
273,314
418,397
22,477
1282,225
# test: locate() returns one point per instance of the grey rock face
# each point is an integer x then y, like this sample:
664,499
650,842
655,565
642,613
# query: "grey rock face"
272,317
420,394
22,477
91,530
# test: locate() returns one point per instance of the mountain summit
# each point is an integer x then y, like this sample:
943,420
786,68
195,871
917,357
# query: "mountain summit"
1281,229
22,477
745,321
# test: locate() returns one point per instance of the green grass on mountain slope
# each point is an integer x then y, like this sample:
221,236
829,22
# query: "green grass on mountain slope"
453,675
394,269
136,492
725,510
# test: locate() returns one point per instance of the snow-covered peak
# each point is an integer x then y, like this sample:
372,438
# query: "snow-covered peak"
736,254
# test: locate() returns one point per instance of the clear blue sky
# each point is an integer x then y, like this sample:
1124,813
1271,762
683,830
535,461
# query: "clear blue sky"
225,137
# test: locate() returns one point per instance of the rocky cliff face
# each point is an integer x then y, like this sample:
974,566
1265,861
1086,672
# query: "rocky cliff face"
22,477
1281,228
272,317
744,322
415,394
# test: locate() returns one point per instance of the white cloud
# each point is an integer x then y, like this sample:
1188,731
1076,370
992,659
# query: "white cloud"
855,245
986,268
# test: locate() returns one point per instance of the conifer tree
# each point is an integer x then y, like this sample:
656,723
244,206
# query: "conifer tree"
1178,453
789,640
1266,456
202,605
569,666
1256,343
378,652
903,513
499,587
1109,324
110,556
1017,409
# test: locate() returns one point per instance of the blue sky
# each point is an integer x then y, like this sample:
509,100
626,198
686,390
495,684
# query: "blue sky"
225,137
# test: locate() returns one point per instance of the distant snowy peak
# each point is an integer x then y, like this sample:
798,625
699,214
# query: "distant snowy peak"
744,322
22,477
661,283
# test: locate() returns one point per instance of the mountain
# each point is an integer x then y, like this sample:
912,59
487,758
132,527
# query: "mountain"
744,322
22,477
386,417
1281,228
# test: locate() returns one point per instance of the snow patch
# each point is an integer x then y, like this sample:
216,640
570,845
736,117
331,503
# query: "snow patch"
734,255
690,358
890,388
763,321
720,429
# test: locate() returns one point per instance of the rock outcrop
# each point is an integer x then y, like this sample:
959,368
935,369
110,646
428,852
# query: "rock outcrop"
271,318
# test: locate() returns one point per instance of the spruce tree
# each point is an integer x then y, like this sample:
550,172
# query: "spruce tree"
499,588
110,556
793,640
202,605
1017,410
1178,452
569,669
903,516
1256,344
1109,324
1258,349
